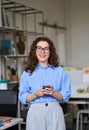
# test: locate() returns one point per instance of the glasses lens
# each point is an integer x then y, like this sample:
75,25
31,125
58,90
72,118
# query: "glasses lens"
46,49
39,49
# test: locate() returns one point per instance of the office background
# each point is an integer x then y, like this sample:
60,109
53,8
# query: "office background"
73,43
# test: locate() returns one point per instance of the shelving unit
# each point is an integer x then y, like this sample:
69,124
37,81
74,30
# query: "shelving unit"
14,19
17,18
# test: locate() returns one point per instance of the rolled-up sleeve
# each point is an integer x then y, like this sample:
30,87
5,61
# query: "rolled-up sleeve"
23,88
66,87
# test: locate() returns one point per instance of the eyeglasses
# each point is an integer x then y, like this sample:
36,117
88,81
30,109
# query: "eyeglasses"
39,49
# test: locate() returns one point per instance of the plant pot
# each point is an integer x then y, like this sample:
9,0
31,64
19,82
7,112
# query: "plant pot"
14,78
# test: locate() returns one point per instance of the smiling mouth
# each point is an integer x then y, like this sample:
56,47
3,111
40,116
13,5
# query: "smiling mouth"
42,56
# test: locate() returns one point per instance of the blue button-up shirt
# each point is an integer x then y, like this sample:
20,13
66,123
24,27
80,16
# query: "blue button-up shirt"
41,76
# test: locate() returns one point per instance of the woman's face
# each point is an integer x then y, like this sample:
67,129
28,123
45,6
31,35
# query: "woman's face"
42,52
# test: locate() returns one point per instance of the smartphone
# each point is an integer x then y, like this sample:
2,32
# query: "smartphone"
47,86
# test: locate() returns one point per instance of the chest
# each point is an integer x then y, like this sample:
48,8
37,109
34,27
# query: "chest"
44,77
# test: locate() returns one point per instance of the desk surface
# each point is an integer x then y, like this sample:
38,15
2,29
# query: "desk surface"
80,95
13,122
79,98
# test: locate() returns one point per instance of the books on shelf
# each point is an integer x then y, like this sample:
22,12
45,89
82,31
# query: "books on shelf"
7,18
6,47
0,17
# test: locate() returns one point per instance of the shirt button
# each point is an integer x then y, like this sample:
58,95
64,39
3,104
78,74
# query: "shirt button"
46,104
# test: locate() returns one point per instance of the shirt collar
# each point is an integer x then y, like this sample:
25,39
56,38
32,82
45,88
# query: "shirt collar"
40,66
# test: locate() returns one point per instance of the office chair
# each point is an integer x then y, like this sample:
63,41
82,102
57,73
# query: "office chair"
9,104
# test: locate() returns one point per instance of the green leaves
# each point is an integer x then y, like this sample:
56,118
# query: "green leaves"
80,90
12,70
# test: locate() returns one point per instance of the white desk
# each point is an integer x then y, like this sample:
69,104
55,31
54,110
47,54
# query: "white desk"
79,98
13,122
80,95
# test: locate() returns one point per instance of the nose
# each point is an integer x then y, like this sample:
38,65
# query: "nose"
42,50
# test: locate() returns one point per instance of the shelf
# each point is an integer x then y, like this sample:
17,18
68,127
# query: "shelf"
19,8
18,24
13,56
12,11
13,82
6,29
45,24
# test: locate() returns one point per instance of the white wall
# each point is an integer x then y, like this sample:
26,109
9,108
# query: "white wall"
53,9
78,32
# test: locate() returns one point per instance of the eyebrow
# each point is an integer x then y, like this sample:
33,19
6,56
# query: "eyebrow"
43,47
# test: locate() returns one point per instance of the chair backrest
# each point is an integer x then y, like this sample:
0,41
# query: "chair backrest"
8,103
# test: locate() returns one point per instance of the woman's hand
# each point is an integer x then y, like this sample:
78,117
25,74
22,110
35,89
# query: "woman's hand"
49,90
42,91
39,93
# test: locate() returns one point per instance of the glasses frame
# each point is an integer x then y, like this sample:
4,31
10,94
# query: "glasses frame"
40,49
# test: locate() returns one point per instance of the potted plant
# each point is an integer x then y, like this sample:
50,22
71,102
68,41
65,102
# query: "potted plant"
13,73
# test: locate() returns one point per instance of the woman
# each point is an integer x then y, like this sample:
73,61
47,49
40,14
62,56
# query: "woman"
44,85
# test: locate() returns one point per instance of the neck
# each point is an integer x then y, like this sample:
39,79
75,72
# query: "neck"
43,64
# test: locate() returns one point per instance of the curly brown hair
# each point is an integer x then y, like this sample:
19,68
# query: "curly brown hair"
32,60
